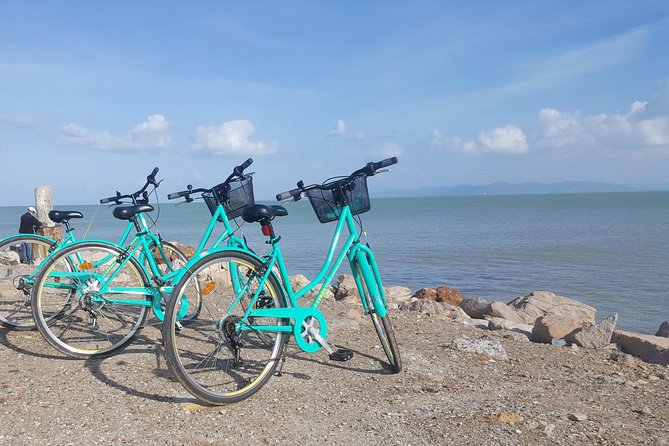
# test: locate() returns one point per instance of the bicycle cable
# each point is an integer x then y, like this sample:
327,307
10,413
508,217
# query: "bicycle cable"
90,223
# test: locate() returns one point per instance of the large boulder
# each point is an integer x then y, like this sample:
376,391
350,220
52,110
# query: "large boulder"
442,294
540,303
476,307
9,258
432,308
653,349
663,331
558,326
597,336
397,295
501,310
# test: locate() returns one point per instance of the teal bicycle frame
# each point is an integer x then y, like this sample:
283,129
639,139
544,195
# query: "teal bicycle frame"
363,265
140,248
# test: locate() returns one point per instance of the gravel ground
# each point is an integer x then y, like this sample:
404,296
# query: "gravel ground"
541,394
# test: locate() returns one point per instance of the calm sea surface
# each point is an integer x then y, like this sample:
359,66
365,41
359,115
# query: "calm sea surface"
609,250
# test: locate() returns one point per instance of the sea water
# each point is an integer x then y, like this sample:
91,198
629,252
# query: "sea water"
609,250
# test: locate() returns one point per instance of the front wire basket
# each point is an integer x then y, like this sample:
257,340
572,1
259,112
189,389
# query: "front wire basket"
326,205
239,194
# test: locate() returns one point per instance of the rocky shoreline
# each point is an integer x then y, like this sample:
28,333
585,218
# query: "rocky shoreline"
541,316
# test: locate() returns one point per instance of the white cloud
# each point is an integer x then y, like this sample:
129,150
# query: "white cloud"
438,141
18,121
231,138
339,130
508,139
630,131
150,135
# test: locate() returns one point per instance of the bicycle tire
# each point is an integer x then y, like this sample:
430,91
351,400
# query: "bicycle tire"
89,325
201,354
16,279
382,325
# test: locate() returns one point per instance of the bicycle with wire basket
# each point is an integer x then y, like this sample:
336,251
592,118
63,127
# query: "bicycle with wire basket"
17,278
92,298
239,337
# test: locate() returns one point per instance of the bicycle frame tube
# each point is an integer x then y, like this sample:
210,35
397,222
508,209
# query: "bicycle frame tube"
330,266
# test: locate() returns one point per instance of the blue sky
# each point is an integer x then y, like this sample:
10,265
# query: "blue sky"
93,95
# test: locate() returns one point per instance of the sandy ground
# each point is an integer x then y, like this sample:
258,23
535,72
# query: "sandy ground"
541,394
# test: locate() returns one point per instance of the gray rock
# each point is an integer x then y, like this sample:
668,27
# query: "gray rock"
432,308
496,324
622,358
540,303
476,307
480,346
396,295
653,349
664,330
9,258
558,326
346,290
597,336
504,311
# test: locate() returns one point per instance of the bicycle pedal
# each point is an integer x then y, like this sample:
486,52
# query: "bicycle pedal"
341,355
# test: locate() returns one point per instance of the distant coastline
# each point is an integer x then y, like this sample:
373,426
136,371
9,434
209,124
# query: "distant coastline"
504,188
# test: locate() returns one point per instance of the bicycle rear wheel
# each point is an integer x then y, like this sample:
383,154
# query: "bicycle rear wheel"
216,357
17,275
95,310
382,325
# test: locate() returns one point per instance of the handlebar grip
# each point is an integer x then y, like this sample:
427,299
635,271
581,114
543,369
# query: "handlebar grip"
291,193
246,164
385,163
239,170
152,177
174,195
107,200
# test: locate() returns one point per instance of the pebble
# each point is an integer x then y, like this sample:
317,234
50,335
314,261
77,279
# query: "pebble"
577,416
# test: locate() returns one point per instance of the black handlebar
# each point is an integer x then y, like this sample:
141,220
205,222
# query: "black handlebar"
150,180
237,172
369,170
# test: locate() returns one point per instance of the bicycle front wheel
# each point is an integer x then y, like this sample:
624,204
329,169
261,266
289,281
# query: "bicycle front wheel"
95,309
382,325
220,357
20,259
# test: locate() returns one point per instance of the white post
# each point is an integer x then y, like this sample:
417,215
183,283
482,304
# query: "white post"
44,204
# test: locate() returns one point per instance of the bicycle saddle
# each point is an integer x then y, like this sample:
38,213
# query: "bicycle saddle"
128,212
260,212
61,216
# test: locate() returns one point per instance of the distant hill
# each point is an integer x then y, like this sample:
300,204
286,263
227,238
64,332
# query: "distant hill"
503,188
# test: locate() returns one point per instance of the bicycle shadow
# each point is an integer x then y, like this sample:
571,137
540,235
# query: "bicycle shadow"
29,343
321,358
111,371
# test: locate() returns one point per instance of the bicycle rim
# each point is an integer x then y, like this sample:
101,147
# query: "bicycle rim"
213,360
71,312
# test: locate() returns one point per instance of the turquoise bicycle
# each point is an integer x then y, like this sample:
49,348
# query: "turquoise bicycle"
234,346
91,298
17,278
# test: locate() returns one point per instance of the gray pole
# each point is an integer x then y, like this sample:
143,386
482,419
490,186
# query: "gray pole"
44,204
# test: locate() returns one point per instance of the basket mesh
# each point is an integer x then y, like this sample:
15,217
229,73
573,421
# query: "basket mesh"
325,204
239,195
